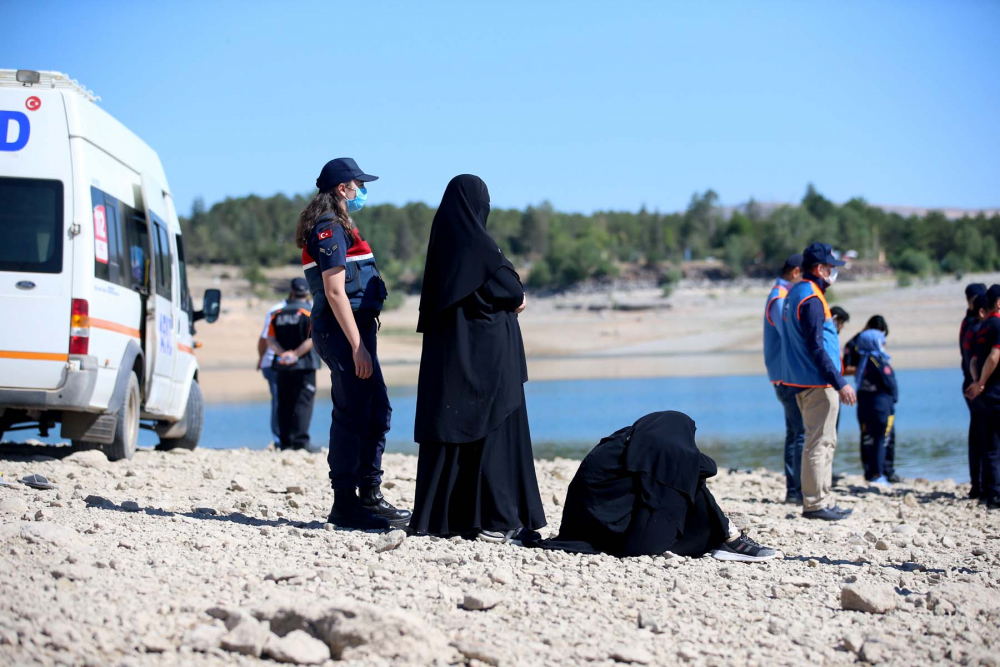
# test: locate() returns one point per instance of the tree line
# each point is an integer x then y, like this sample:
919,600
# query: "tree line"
563,249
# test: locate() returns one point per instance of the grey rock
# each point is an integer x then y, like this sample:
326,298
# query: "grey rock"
43,515
882,545
13,505
130,506
873,598
211,511
389,541
248,637
98,501
298,648
480,600
74,572
294,489
286,575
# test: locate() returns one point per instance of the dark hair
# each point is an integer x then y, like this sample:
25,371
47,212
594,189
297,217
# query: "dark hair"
878,322
325,201
840,313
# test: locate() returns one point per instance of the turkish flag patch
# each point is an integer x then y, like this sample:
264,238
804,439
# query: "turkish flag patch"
325,235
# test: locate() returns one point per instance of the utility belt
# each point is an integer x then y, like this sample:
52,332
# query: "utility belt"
363,283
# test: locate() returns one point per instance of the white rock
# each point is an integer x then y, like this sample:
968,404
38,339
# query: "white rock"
203,637
476,651
631,654
238,484
90,458
248,637
298,648
389,541
480,600
47,533
874,598
904,529
14,505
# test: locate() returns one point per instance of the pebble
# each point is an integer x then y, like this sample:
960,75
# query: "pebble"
480,600
389,541
298,648
631,654
871,597
130,506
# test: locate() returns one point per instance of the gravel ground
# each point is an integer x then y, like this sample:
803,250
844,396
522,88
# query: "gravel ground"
222,557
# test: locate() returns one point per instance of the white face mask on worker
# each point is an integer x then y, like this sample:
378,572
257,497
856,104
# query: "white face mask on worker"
832,278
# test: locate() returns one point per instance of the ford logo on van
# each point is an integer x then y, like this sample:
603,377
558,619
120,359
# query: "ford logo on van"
25,284
11,139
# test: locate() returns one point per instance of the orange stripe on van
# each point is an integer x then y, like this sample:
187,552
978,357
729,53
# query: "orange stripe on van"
114,326
185,348
39,356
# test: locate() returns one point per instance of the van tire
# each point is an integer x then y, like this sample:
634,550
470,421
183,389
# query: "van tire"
126,427
194,414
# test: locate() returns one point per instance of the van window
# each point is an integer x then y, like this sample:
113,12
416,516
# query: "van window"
110,261
138,236
31,225
182,273
163,274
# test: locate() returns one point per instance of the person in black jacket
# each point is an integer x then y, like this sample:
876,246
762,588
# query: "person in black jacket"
475,471
295,363
975,295
878,394
641,492
984,392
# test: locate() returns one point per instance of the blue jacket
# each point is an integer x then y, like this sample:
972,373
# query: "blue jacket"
810,347
773,332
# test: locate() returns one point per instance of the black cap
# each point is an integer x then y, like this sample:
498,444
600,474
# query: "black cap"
299,287
793,262
820,253
341,170
992,294
840,314
975,289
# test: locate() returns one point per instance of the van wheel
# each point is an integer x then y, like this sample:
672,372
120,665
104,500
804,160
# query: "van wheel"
126,428
194,414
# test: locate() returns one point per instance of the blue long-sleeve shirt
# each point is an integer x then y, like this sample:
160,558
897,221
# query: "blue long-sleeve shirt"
812,316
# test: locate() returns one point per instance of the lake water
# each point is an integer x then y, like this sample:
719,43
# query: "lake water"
740,421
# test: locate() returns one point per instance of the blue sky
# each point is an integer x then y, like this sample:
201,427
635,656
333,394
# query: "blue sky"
588,105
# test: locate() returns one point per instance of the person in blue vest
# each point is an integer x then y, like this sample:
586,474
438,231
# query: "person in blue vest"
975,296
811,355
984,392
795,430
348,294
878,393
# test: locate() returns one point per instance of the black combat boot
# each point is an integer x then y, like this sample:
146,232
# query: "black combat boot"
348,512
373,501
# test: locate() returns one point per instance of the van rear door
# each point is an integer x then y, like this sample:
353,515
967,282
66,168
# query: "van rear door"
161,338
36,259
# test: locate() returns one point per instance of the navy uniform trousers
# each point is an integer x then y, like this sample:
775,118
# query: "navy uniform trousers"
361,410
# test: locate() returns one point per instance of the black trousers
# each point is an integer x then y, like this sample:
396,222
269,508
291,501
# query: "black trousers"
988,410
361,410
296,394
976,437
878,438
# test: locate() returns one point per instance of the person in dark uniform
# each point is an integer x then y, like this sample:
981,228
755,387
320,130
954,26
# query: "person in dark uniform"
295,363
878,394
985,394
966,343
348,293
641,492
475,471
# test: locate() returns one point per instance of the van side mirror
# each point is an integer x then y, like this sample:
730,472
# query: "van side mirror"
212,305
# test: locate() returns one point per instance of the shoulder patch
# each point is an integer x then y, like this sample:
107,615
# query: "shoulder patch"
888,370
325,235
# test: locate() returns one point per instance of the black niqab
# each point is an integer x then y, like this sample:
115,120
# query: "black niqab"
461,256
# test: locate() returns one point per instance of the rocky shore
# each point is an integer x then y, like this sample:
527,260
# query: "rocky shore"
222,557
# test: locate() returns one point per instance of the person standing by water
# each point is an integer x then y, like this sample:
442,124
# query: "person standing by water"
985,394
265,361
348,292
295,363
810,348
975,296
795,430
475,471
878,394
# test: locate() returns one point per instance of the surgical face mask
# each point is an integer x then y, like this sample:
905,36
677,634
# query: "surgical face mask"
358,203
833,275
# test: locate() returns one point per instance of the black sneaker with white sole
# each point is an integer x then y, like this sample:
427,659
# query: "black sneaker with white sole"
743,549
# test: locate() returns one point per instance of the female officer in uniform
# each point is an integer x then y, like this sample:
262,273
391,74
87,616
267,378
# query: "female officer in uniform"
348,293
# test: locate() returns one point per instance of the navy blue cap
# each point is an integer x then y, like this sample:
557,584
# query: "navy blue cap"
820,253
299,287
341,170
975,289
992,294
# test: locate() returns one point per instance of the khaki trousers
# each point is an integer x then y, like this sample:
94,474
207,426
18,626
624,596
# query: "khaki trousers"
819,408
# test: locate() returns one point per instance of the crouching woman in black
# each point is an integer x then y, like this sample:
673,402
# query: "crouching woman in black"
475,471
641,492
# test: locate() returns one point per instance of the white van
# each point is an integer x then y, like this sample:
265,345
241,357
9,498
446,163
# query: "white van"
97,320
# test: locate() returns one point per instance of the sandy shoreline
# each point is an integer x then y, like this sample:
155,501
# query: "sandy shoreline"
130,576
699,331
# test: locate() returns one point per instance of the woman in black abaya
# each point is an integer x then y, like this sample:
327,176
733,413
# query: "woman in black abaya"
475,472
641,491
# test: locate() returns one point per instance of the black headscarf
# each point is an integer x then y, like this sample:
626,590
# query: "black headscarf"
461,256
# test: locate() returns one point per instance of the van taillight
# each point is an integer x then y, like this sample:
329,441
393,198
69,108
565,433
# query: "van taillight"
79,327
